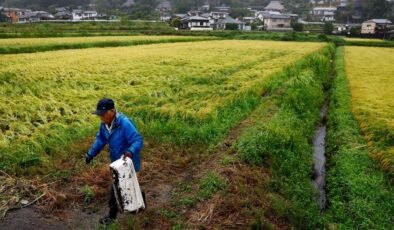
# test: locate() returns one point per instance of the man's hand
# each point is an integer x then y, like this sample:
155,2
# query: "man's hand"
88,159
127,154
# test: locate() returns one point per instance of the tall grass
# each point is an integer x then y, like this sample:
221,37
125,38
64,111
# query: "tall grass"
282,143
359,195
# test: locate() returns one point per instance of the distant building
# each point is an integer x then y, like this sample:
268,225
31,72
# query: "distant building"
323,14
13,14
78,15
195,23
223,8
222,24
255,8
375,26
277,22
63,15
218,14
275,6
206,7
35,16
164,6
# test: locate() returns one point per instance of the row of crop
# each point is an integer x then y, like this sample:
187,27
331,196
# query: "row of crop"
15,46
369,71
359,194
50,108
281,143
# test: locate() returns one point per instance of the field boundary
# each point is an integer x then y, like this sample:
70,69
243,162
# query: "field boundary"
359,194
104,44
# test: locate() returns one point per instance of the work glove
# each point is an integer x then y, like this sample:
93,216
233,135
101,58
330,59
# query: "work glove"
88,159
127,154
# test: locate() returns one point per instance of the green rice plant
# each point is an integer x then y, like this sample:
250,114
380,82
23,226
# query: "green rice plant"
281,142
360,195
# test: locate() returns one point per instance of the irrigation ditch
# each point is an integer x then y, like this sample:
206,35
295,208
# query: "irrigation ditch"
319,143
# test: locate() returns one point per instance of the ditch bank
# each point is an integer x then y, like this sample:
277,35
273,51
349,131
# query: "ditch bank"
319,143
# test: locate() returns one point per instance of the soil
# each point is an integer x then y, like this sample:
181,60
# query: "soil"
164,168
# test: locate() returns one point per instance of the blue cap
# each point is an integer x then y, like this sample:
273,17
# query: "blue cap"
103,106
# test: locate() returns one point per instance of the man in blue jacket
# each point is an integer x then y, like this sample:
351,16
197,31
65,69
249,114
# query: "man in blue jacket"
124,141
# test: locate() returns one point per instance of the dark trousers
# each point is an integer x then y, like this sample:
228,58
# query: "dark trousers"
113,207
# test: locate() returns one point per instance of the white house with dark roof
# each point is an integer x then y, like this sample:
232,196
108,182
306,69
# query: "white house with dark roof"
78,15
375,26
195,23
277,22
323,14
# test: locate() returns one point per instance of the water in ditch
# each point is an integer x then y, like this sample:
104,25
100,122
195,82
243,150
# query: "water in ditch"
319,158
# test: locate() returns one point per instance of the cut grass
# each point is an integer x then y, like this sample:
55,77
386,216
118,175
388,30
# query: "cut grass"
370,72
172,96
359,195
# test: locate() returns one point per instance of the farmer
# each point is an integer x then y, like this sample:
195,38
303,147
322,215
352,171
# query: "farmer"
124,141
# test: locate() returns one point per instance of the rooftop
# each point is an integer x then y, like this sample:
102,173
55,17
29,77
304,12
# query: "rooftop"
275,5
380,21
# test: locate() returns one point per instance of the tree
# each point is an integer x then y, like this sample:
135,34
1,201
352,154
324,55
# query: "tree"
297,26
239,12
328,28
231,26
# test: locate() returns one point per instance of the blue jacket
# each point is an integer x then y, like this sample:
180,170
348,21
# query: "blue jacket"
123,137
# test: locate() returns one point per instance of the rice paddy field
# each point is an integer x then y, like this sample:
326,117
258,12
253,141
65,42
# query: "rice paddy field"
25,42
32,45
229,125
52,93
370,72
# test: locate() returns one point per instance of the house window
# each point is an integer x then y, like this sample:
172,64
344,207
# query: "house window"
273,20
201,23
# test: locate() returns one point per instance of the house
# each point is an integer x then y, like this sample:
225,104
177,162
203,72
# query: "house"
375,26
13,14
89,14
218,14
78,15
164,6
323,14
223,8
255,8
277,22
35,16
63,15
275,6
195,23
249,19
262,14
204,7
224,23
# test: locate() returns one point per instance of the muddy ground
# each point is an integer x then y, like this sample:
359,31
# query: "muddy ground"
165,169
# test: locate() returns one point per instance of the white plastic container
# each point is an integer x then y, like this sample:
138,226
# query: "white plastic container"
126,186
